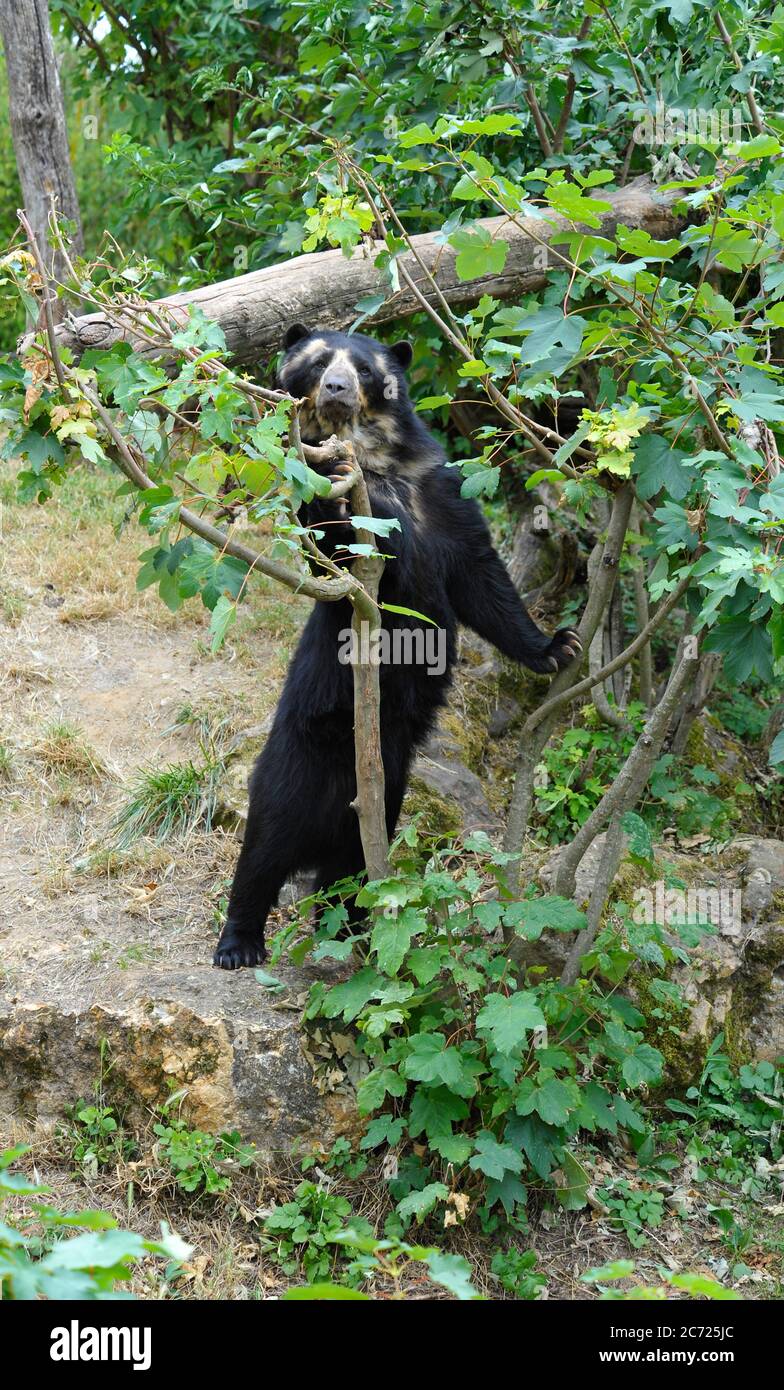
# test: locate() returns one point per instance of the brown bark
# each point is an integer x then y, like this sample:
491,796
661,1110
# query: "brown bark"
38,123
322,289
369,804
631,781
535,736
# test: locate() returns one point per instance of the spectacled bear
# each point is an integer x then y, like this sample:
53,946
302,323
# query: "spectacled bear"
441,563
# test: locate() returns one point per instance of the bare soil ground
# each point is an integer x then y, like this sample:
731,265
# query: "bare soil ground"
95,681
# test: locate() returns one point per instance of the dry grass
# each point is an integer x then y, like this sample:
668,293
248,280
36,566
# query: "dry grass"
64,749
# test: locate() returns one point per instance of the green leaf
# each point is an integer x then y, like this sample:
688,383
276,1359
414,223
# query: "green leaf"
376,525
554,1100
530,918
420,1204
701,1285
640,842
103,1250
420,134
223,617
269,982
350,998
481,482
430,1060
434,1111
453,1273
391,938
376,1086
507,1020
535,1139
656,466
574,1196
494,1159
478,253
761,147
777,749
643,1067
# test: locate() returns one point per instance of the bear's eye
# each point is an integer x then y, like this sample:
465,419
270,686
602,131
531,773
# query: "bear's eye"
321,361
364,372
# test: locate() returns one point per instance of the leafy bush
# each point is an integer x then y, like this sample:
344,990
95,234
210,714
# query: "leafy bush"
577,770
484,1074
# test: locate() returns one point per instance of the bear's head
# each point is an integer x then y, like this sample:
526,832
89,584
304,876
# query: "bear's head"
348,381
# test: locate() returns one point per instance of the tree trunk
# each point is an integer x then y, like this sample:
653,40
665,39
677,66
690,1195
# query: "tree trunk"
322,289
38,123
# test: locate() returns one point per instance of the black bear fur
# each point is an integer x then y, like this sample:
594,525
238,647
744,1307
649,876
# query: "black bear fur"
443,565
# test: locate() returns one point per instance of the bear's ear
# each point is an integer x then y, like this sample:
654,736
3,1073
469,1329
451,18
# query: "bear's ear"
293,335
403,352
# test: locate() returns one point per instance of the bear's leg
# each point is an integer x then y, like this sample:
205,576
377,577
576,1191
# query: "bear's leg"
260,874
349,860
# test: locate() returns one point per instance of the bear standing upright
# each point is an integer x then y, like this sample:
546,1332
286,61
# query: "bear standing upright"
441,563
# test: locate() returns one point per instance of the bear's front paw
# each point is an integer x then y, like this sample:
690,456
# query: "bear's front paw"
564,648
234,950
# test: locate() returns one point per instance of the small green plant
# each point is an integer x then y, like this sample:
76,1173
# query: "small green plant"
340,1159
200,1162
38,1261
301,1232
516,1272
96,1138
684,792
632,1209
732,1121
391,1261
736,1238
685,1283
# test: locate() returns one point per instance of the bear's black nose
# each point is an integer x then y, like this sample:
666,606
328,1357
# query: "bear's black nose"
335,384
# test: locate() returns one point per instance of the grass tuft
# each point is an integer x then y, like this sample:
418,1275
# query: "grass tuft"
173,800
65,750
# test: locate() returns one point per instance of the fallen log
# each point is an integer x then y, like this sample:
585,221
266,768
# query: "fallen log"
323,288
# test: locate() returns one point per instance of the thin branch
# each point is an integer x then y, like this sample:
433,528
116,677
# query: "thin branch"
533,740
46,294
631,780
571,87
565,697
606,871
751,100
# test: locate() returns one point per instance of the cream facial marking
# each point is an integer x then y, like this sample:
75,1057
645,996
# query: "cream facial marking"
304,354
313,349
343,359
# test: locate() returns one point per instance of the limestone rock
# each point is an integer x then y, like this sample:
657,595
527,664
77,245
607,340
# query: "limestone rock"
734,979
441,770
234,1047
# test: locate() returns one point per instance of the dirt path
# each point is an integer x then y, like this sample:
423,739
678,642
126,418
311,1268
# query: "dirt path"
79,648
